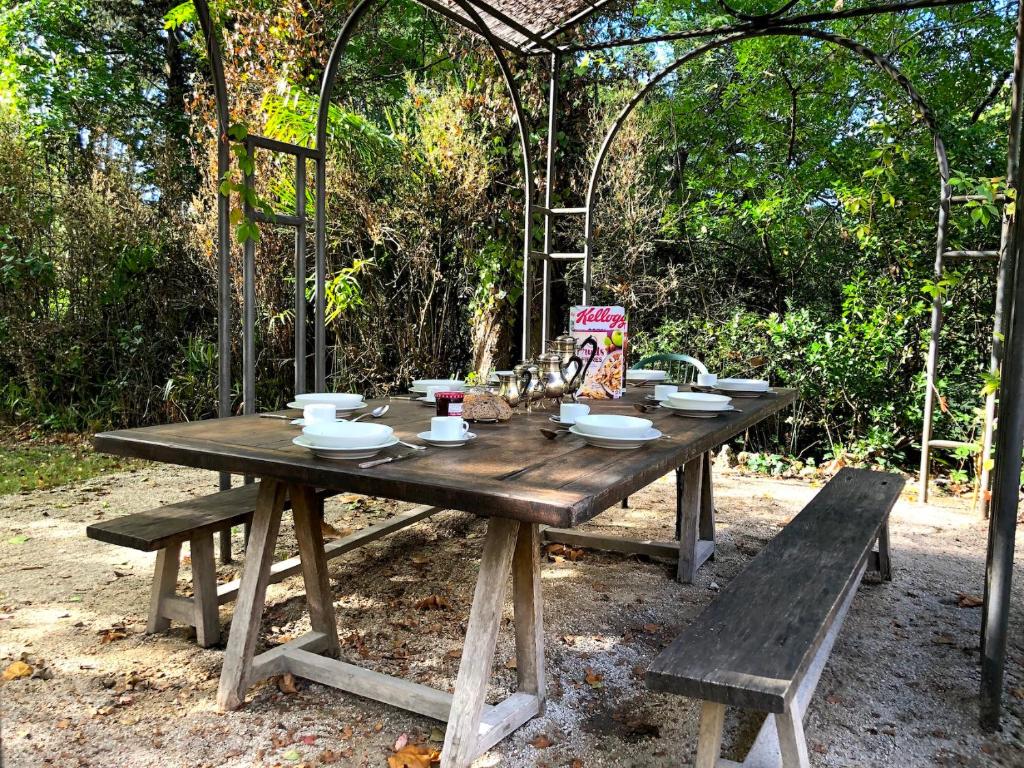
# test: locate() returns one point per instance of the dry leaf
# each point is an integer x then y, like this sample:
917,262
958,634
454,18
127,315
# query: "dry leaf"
112,634
454,653
329,757
286,684
433,603
594,679
576,763
512,663
400,743
652,628
541,742
414,756
16,670
970,601
330,532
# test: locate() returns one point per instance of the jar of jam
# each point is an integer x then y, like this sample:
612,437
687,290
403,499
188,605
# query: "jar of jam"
449,403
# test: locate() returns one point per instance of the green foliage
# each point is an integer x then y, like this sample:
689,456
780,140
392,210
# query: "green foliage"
36,464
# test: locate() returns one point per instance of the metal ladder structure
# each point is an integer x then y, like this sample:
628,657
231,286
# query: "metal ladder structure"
547,257
942,256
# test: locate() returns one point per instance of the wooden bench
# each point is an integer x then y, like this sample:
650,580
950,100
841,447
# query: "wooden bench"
163,530
762,644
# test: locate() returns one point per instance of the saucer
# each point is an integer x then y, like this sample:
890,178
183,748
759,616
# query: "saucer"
342,454
617,443
438,443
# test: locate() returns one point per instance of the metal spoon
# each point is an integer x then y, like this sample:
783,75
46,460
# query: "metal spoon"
646,408
376,413
414,447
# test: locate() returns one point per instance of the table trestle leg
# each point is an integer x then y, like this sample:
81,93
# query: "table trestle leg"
245,624
529,611
306,512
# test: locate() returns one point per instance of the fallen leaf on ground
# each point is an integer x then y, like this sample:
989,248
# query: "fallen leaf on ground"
945,639
652,628
576,763
541,742
594,679
414,756
970,601
433,603
16,670
400,743
437,734
454,653
512,663
292,756
330,532
286,684
112,634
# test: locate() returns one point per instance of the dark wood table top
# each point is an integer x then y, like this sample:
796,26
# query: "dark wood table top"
511,470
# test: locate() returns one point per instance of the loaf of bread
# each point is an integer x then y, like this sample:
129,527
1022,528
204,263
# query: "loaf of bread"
484,406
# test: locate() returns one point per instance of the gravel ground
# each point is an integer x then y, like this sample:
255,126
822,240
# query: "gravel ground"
899,690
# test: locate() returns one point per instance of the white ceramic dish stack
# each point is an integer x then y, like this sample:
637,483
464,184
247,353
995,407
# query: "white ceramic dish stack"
346,440
742,387
451,385
616,432
698,405
344,403
638,375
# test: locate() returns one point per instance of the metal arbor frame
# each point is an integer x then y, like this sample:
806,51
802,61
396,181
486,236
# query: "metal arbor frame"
517,35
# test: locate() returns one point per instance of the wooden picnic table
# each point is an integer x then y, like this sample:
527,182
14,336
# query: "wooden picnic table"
511,474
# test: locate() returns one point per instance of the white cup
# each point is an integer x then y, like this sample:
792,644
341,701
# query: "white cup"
448,427
431,391
707,379
318,413
662,391
569,412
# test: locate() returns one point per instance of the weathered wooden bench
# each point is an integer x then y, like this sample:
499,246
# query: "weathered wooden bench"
763,643
163,530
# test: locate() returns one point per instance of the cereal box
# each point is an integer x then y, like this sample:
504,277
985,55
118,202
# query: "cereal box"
606,375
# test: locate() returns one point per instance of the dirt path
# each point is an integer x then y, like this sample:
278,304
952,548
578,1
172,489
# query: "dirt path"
900,688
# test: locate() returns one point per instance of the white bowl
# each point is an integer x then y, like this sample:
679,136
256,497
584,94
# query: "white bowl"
743,385
699,401
644,374
606,425
340,400
451,385
347,434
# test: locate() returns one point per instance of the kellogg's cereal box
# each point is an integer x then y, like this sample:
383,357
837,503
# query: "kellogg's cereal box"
607,372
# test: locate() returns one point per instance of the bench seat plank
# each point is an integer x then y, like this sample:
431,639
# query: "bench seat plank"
751,647
158,528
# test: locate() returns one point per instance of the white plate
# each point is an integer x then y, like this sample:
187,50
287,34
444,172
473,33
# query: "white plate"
342,454
698,401
741,392
644,374
742,385
345,401
338,411
426,438
302,422
613,425
696,414
617,443
450,385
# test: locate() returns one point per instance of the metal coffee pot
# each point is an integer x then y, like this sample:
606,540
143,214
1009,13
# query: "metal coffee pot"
513,387
527,376
568,354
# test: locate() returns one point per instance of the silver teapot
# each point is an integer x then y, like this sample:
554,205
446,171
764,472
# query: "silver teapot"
568,354
531,387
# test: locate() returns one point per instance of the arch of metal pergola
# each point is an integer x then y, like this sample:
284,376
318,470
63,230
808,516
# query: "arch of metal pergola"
529,28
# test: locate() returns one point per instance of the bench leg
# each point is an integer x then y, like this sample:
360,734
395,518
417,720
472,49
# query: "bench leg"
884,563
709,737
529,611
462,735
792,744
165,583
252,591
307,513
686,570
707,500
204,590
